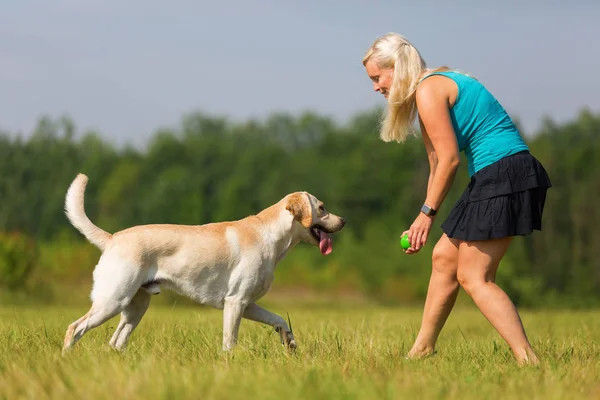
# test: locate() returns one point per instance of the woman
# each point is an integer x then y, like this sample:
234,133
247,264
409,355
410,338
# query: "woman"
504,198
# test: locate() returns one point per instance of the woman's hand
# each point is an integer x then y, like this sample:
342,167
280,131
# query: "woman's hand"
418,233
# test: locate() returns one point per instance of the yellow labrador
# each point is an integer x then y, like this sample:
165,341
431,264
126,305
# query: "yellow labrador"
226,265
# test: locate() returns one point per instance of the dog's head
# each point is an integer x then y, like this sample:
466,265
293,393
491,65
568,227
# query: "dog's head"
314,223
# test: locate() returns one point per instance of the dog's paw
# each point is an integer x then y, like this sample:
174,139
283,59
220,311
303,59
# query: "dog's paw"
287,338
289,342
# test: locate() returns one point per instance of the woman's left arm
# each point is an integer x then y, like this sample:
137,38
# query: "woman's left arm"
433,104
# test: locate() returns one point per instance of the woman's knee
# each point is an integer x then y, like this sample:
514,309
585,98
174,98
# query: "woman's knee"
465,281
470,282
479,263
444,258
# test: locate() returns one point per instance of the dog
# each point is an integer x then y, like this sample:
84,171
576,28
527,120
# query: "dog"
225,265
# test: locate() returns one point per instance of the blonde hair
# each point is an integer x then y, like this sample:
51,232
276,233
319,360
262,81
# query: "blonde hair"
393,50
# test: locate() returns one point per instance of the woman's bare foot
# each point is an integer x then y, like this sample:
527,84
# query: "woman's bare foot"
417,353
527,357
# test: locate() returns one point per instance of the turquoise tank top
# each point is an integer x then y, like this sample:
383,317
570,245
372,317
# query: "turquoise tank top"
483,129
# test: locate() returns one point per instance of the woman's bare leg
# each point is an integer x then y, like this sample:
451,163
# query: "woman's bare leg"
477,265
441,296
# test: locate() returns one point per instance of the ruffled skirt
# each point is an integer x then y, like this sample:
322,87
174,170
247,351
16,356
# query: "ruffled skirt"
503,199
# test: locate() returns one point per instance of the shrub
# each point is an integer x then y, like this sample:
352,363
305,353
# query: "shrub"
18,256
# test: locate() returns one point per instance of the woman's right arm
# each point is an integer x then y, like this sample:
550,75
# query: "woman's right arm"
431,154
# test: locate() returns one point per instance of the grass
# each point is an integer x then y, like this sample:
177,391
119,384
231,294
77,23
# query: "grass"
344,353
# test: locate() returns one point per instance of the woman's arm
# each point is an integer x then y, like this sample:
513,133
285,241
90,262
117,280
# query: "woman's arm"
438,133
433,102
431,156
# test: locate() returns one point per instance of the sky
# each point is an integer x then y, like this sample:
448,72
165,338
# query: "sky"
128,68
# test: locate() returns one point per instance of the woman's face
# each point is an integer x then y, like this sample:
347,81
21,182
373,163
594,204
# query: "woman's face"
381,77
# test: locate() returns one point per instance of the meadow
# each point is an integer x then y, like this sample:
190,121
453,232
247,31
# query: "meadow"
351,346
352,351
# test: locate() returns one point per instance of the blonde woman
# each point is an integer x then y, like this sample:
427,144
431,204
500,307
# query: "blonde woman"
505,197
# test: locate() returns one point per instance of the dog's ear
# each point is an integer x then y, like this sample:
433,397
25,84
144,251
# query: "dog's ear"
300,209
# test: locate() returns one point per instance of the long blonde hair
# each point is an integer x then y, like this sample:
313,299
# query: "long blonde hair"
393,50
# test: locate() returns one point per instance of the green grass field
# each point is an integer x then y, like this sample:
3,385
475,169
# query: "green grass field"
344,353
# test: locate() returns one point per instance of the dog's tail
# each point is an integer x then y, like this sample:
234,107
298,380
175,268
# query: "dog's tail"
76,214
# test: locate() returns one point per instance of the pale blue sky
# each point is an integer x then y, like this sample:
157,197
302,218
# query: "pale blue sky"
129,67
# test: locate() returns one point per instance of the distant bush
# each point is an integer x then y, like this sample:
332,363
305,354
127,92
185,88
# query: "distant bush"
18,257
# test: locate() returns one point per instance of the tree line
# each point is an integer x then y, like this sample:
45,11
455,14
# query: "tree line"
210,169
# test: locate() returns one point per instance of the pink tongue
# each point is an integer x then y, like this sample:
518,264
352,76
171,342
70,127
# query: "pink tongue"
325,243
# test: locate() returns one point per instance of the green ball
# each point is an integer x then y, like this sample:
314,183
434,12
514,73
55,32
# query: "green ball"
404,242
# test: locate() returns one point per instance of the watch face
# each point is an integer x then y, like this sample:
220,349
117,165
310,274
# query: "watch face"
427,210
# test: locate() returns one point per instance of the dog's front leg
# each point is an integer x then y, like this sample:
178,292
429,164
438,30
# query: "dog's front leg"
232,316
256,313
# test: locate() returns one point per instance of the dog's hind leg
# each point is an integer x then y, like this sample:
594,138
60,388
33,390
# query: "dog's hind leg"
256,313
101,311
130,318
115,284
232,316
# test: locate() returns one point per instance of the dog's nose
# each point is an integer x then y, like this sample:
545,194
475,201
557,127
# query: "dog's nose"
343,221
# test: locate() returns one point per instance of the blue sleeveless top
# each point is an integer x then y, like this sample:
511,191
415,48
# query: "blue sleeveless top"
483,129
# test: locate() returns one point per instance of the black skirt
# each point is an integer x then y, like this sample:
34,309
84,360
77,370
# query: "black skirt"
503,199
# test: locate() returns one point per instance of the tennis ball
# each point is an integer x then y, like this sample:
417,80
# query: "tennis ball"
404,242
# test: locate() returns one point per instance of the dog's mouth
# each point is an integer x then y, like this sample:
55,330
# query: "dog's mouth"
323,239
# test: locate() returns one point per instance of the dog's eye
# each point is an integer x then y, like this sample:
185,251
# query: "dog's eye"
322,209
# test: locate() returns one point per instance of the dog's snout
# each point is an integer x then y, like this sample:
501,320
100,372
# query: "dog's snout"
343,221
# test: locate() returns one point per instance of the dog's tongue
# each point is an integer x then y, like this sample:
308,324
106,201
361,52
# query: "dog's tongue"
325,243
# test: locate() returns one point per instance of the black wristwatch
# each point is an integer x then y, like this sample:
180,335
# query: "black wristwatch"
430,212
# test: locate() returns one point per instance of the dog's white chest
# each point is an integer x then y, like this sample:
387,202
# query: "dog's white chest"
263,287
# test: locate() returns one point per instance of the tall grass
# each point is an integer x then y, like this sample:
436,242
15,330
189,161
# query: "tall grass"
344,353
